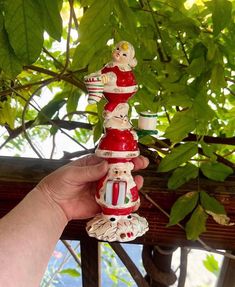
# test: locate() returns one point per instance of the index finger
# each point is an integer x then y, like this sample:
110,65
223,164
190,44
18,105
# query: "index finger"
140,162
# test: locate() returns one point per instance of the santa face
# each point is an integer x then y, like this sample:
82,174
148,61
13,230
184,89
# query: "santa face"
120,122
117,119
120,171
123,53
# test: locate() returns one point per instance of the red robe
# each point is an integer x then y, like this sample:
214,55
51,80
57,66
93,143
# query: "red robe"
124,79
118,140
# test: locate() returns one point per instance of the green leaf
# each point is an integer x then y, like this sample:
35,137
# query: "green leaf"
98,130
83,135
201,111
197,66
180,98
196,224
51,18
179,155
24,27
85,3
71,272
95,30
211,264
221,15
72,102
181,124
87,49
1,18
209,150
49,110
217,78
125,15
93,119
147,140
182,175
9,63
197,51
182,207
209,203
216,170
7,114
95,18
211,47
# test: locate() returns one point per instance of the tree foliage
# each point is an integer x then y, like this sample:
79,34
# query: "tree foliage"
185,72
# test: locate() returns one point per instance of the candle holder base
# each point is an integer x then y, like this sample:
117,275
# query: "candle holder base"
120,228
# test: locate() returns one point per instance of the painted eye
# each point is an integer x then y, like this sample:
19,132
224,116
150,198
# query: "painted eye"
125,55
117,49
121,116
124,171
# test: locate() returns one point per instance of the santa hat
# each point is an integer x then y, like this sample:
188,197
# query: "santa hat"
118,160
111,107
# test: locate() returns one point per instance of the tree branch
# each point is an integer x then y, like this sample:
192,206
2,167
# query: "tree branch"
21,87
206,139
183,47
68,37
134,271
211,140
68,77
51,56
72,252
68,125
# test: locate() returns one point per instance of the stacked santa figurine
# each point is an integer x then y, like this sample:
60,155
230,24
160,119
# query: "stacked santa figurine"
117,193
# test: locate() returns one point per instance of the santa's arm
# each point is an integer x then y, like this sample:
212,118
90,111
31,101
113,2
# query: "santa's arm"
134,193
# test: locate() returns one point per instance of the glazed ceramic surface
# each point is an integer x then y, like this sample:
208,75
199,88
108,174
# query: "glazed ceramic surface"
117,193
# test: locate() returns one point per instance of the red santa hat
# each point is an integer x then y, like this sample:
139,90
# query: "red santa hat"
110,107
118,160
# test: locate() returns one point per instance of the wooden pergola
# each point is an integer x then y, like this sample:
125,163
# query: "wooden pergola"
19,175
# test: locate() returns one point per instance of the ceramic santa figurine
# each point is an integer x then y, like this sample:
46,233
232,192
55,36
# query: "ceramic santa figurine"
120,140
117,193
116,81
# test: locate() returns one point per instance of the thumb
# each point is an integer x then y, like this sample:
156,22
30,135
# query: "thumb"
94,172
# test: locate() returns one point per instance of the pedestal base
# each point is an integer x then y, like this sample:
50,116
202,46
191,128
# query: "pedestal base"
117,228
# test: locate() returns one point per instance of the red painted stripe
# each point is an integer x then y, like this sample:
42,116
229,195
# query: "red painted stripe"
115,193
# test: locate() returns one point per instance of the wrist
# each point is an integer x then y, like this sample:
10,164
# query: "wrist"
53,208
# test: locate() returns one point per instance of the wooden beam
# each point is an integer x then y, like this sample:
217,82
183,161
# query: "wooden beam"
19,175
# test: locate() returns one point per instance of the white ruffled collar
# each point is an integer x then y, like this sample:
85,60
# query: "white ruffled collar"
122,67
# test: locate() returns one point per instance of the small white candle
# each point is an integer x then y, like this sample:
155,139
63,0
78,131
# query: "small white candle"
147,121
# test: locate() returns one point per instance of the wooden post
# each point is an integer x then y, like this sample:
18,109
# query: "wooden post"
90,259
227,274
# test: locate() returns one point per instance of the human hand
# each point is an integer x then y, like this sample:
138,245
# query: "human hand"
73,186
